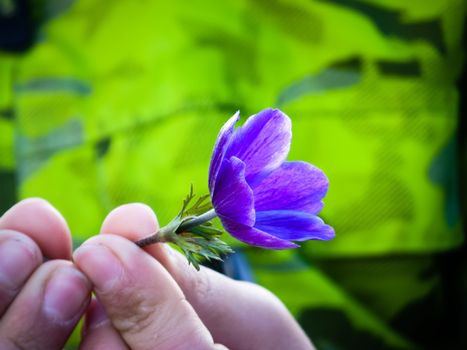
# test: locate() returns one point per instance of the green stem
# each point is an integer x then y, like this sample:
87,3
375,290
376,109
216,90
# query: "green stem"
165,233
199,220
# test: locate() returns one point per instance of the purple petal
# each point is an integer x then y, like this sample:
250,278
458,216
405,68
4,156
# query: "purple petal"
253,236
294,186
293,225
220,147
263,142
232,197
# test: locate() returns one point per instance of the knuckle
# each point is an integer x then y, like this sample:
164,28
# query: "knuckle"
21,342
145,320
202,286
133,311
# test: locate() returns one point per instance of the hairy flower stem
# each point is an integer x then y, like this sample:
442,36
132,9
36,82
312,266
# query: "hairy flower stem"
166,233
163,235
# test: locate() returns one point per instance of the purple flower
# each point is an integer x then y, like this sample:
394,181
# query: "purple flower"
260,198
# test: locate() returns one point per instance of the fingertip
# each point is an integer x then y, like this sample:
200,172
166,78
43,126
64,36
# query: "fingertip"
25,241
132,221
95,316
98,332
47,307
38,219
138,294
99,262
19,257
67,293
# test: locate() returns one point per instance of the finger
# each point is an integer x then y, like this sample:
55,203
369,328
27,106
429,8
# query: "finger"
37,219
47,309
19,257
225,306
134,221
142,300
98,330
241,315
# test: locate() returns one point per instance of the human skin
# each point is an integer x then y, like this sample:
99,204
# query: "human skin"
40,302
146,299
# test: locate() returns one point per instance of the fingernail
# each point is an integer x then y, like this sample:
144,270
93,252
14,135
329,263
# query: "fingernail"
17,260
102,267
65,294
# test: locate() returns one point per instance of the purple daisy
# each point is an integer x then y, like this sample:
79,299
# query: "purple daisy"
260,198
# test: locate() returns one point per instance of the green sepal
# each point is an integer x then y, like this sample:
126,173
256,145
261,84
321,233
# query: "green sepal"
198,242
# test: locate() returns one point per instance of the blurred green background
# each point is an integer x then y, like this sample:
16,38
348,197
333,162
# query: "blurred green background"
105,103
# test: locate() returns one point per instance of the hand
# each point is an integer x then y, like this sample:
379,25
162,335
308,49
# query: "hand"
40,303
154,300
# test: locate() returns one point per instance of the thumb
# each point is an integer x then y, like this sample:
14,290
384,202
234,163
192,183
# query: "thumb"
143,302
239,315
